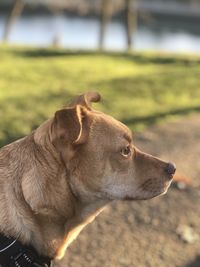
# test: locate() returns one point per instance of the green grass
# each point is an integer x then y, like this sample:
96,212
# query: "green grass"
139,89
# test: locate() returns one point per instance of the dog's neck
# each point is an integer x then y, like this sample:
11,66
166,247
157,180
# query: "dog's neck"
38,206
59,220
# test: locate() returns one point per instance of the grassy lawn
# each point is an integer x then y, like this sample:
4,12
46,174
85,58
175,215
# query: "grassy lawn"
139,89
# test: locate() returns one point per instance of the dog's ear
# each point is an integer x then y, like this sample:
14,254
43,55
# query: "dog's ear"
70,126
86,99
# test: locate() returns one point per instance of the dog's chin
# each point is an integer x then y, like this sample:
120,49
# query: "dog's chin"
149,194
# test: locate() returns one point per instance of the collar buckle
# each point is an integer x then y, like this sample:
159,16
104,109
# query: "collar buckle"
23,258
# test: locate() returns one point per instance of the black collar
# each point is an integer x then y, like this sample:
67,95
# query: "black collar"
15,254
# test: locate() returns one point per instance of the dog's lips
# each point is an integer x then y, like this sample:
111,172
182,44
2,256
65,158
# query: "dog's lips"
151,194
128,198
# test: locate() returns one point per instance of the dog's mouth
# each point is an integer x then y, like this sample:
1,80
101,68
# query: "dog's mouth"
150,189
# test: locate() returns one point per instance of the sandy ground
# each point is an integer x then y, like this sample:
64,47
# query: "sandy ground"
162,232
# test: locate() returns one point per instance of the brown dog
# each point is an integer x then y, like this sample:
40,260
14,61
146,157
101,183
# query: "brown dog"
54,181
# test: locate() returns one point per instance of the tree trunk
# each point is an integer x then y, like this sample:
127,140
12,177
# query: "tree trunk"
103,21
15,13
131,21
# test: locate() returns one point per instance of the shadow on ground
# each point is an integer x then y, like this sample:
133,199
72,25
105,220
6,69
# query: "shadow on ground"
138,58
149,120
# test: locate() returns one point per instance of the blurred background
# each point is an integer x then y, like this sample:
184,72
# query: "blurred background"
143,56
171,25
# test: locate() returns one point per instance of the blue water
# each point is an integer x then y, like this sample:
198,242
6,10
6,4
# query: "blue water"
83,33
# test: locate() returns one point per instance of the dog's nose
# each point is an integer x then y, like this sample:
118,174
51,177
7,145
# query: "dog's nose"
171,168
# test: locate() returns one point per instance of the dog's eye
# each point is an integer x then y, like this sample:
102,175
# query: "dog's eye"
126,152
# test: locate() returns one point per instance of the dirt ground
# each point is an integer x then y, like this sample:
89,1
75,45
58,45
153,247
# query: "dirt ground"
162,232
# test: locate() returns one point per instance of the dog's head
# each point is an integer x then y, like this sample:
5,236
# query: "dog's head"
100,156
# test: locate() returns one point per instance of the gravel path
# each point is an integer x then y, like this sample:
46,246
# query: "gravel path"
162,232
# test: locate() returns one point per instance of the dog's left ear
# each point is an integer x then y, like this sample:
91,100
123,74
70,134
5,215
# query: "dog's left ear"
86,100
70,126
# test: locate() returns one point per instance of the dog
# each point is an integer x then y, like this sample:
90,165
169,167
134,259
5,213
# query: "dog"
57,179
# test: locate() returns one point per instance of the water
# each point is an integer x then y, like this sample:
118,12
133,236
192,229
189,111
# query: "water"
83,33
